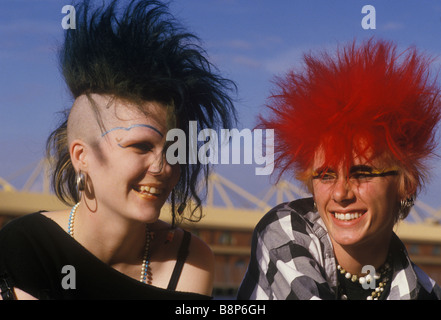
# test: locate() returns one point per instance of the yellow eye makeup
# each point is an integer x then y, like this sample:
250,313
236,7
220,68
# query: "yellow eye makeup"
360,172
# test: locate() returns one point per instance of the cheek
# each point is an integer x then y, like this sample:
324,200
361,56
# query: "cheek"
322,197
382,198
118,171
320,191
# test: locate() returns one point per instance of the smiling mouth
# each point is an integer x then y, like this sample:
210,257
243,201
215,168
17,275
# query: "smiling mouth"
148,190
347,216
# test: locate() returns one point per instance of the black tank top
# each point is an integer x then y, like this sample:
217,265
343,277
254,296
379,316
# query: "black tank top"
34,249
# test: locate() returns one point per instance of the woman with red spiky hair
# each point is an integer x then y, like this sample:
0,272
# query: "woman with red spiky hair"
358,128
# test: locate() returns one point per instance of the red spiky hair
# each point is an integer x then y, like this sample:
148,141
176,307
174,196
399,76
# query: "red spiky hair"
365,93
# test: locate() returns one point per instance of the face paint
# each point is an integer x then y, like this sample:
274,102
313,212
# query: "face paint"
133,126
135,180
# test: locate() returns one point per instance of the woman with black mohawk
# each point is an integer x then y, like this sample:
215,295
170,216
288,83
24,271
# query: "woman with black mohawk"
134,74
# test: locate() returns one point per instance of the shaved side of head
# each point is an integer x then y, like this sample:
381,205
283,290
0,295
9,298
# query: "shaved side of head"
88,117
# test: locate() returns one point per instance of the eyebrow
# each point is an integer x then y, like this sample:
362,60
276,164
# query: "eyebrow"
324,169
363,168
133,126
355,169
317,173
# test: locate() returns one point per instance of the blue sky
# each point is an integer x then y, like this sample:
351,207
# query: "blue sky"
250,41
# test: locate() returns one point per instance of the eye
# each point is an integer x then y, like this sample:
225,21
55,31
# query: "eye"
328,176
324,175
142,147
362,172
360,175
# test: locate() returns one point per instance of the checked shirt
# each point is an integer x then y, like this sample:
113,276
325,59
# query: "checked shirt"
292,258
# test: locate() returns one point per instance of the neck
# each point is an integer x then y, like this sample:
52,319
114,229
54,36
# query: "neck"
111,238
354,257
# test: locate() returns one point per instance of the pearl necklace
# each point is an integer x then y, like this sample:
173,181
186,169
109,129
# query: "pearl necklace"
145,276
375,295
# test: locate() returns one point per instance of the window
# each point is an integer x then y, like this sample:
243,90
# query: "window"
225,238
436,250
414,249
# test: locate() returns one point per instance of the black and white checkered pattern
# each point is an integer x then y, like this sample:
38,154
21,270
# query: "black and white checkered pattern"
292,258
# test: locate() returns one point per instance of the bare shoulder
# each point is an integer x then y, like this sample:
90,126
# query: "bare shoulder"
200,253
198,272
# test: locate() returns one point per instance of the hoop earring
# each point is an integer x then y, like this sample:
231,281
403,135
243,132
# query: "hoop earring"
81,183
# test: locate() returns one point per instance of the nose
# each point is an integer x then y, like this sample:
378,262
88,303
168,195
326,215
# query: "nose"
342,192
157,164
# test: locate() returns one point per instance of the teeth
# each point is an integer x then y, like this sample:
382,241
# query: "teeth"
148,189
347,216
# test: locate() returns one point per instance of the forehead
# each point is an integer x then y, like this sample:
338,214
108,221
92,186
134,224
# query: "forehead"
94,114
119,112
368,158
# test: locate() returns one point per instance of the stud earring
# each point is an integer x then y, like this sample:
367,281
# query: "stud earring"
407,203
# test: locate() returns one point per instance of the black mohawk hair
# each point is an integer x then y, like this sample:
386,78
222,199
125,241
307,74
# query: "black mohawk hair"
136,50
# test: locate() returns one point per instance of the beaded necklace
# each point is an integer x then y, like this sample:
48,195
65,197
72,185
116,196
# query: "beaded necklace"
145,276
349,280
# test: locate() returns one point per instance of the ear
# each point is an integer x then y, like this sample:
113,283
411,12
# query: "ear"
78,153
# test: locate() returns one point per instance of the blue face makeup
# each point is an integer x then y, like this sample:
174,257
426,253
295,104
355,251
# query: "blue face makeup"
134,126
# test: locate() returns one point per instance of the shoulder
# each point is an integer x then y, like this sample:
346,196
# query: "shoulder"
31,228
23,252
29,240
198,265
61,218
282,223
199,251
196,246
429,288
296,211
22,227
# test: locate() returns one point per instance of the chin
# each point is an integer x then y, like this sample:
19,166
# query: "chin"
348,240
145,213
149,214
